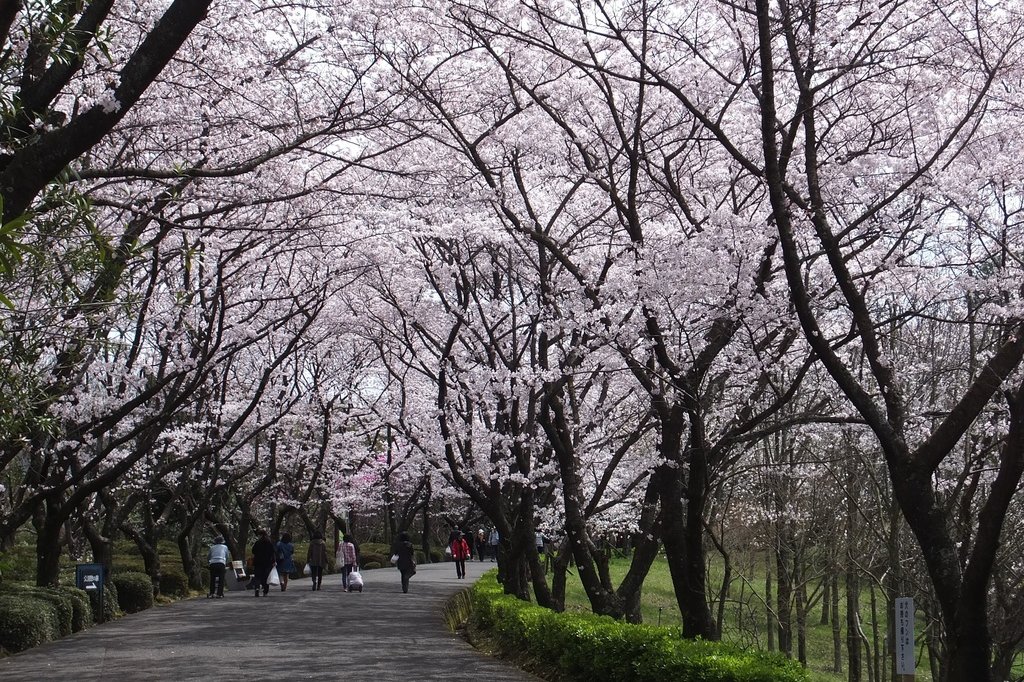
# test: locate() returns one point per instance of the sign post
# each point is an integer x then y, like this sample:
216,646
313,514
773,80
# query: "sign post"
905,639
89,577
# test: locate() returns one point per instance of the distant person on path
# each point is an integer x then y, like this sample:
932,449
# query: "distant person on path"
347,552
218,560
460,552
316,557
263,559
492,541
481,544
406,560
285,562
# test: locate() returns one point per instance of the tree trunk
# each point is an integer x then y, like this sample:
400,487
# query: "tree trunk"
101,545
560,569
48,549
769,614
189,565
826,599
853,642
683,524
801,609
784,592
877,657
837,640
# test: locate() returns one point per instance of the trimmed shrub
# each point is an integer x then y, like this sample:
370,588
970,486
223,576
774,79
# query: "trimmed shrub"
582,646
374,548
367,558
134,591
371,565
110,611
173,584
63,611
123,564
23,624
58,605
82,610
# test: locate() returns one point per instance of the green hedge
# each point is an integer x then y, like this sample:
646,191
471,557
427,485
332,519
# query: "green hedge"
173,583
56,602
367,558
134,591
573,646
23,624
81,607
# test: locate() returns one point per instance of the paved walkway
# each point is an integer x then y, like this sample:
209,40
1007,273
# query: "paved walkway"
376,636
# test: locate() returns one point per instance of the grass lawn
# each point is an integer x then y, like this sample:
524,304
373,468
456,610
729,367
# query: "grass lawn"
659,605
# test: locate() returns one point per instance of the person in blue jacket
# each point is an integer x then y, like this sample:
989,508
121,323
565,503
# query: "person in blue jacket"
285,563
217,558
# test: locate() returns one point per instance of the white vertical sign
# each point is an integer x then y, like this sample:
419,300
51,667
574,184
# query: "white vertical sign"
904,636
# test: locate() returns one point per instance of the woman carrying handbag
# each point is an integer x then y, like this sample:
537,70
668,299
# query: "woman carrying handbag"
460,552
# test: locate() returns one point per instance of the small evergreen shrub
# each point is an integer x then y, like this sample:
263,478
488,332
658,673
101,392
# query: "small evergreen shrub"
367,558
581,646
60,603
134,591
82,609
125,564
57,605
23,624
371,565
173,584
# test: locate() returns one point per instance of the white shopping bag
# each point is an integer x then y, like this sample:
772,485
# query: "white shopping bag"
274,578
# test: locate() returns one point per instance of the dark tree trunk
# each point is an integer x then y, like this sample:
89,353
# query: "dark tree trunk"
837,640
683,525
772,621
48,549
801,609
826,598
784,592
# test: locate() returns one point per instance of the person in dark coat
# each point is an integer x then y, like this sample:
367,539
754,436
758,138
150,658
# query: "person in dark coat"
316,557
406,559
263,560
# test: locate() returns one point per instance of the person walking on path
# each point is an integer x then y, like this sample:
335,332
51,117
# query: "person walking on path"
217,558
492,540
285,562
316,557
263,559
406,560
348,560
481,544
460,552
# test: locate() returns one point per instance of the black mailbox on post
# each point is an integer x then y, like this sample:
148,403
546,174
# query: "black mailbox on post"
89,577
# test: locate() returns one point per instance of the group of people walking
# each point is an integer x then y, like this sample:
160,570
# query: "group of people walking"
267,556
462,545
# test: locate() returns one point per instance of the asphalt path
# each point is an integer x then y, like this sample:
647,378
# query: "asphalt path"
378,635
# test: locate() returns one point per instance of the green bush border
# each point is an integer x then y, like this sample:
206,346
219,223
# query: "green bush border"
81,606
582,646
134,591
23,624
